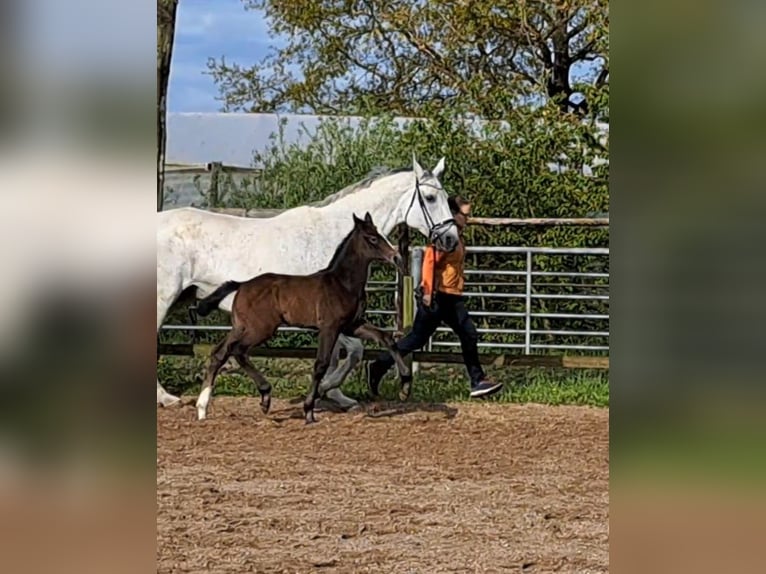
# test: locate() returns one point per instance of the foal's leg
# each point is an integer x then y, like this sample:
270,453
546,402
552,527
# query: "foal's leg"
327,339
219,356
330,385
372,333
264,387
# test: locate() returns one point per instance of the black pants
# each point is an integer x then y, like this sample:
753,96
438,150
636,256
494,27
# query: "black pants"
451,310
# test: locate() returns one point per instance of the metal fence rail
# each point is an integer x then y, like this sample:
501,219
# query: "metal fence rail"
526,304
526,293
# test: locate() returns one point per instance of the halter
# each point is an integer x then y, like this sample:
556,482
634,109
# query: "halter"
435,230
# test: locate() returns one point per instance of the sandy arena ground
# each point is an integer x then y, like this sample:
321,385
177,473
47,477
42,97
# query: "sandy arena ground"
395,488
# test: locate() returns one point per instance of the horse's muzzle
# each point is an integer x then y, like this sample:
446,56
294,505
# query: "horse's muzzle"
444,236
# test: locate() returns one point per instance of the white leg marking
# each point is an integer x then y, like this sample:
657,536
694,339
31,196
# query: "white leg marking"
202,401
164,398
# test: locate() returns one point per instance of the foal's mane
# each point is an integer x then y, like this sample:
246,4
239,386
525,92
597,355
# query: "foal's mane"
341,249
374,175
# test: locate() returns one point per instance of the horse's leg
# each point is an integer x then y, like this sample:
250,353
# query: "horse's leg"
332,369
218,357
164,398
330,386
166,295
327,338
264,387
372,333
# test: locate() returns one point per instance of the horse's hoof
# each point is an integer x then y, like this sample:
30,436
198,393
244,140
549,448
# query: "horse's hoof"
169,401
355,408
310,418
266,404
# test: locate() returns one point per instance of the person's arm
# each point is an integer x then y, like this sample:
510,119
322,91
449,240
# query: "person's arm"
430,259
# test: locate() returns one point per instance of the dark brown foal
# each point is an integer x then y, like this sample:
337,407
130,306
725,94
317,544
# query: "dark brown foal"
332,301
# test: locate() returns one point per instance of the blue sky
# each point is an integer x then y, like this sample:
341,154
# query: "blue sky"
205,29
213,28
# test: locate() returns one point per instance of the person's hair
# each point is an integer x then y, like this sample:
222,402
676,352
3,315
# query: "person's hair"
456,203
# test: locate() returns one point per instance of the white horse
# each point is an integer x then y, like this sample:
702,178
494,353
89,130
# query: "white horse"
204,249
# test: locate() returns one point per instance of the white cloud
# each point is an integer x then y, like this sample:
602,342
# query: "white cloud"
211,29
193,24
211,21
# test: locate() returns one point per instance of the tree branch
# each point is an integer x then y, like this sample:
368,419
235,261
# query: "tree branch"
577,30
603,76
586,53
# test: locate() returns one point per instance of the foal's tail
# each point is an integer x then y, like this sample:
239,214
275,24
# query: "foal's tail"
211,302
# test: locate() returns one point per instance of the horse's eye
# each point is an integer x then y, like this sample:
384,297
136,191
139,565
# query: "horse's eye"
373,240
430,198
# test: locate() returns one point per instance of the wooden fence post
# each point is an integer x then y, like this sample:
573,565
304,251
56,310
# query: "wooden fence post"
408,310
405,314
416,265
213,199
404,252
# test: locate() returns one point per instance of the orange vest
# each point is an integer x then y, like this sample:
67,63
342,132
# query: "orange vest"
443,271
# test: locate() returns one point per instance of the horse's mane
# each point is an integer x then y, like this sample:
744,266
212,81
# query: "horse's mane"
375,174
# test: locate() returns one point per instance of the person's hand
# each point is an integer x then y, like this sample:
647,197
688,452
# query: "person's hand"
427,300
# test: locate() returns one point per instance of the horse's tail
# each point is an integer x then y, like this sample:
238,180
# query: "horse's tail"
211,302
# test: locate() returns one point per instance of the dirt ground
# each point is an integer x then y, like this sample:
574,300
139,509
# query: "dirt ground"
394,488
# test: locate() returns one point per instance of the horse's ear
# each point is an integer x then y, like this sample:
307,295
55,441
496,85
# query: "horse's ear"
357,221
416,167
368,218
439,169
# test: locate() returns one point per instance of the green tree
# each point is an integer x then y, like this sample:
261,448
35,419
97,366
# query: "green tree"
410,57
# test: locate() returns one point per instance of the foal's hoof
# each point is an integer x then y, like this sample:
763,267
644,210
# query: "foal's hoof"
265,404
310,418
